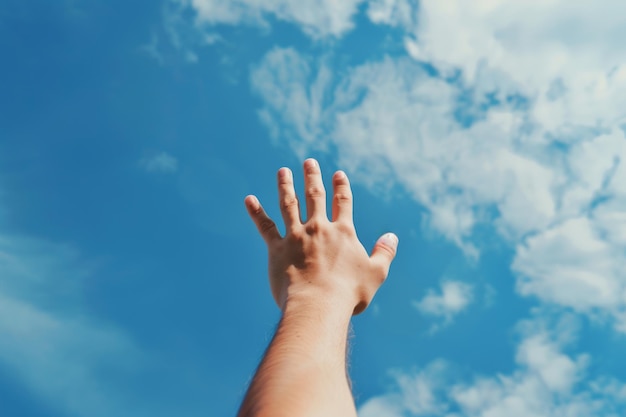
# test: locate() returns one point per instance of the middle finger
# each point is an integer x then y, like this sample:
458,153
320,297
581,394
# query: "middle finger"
314,190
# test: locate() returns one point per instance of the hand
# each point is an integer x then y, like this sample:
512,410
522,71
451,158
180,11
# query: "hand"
320,261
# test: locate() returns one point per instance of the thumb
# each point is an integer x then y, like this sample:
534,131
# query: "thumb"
384,252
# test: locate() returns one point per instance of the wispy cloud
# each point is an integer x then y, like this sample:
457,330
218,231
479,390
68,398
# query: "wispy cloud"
47,340
71,360
152,49
282,80
160,163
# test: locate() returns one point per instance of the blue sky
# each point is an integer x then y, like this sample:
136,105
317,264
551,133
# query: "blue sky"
489,136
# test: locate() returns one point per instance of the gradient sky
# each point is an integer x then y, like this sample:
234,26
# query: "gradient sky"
488,135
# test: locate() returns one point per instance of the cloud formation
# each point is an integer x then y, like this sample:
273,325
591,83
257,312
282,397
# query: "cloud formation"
454,297
546,383
318,19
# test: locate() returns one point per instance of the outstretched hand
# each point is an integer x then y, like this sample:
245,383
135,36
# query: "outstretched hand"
320,260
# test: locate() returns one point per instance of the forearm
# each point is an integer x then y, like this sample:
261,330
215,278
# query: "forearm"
303,373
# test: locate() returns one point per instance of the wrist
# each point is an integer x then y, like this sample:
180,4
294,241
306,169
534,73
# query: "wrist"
319,305
318,329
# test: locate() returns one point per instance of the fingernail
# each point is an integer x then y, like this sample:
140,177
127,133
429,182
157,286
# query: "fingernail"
310,163
252,201
390,240
341,175
283,173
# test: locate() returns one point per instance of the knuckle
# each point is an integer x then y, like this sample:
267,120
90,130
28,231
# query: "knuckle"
387,249
315,191
343,197
266,225
288,202
314,226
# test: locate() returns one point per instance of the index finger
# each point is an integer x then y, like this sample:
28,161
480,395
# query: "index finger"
267,227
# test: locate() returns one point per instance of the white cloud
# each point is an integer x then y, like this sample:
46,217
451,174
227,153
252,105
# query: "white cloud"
557,371
564,56
162,162
546,383
384,406
392,12
454,297
420,391
571,264
318,19
418,394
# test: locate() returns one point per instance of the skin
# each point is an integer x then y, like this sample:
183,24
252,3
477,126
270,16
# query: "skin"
320,276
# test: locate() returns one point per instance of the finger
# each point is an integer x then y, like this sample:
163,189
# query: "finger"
288,200
383,254
314,190
342,198
267,227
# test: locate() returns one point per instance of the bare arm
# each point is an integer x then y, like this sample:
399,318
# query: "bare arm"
320,275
